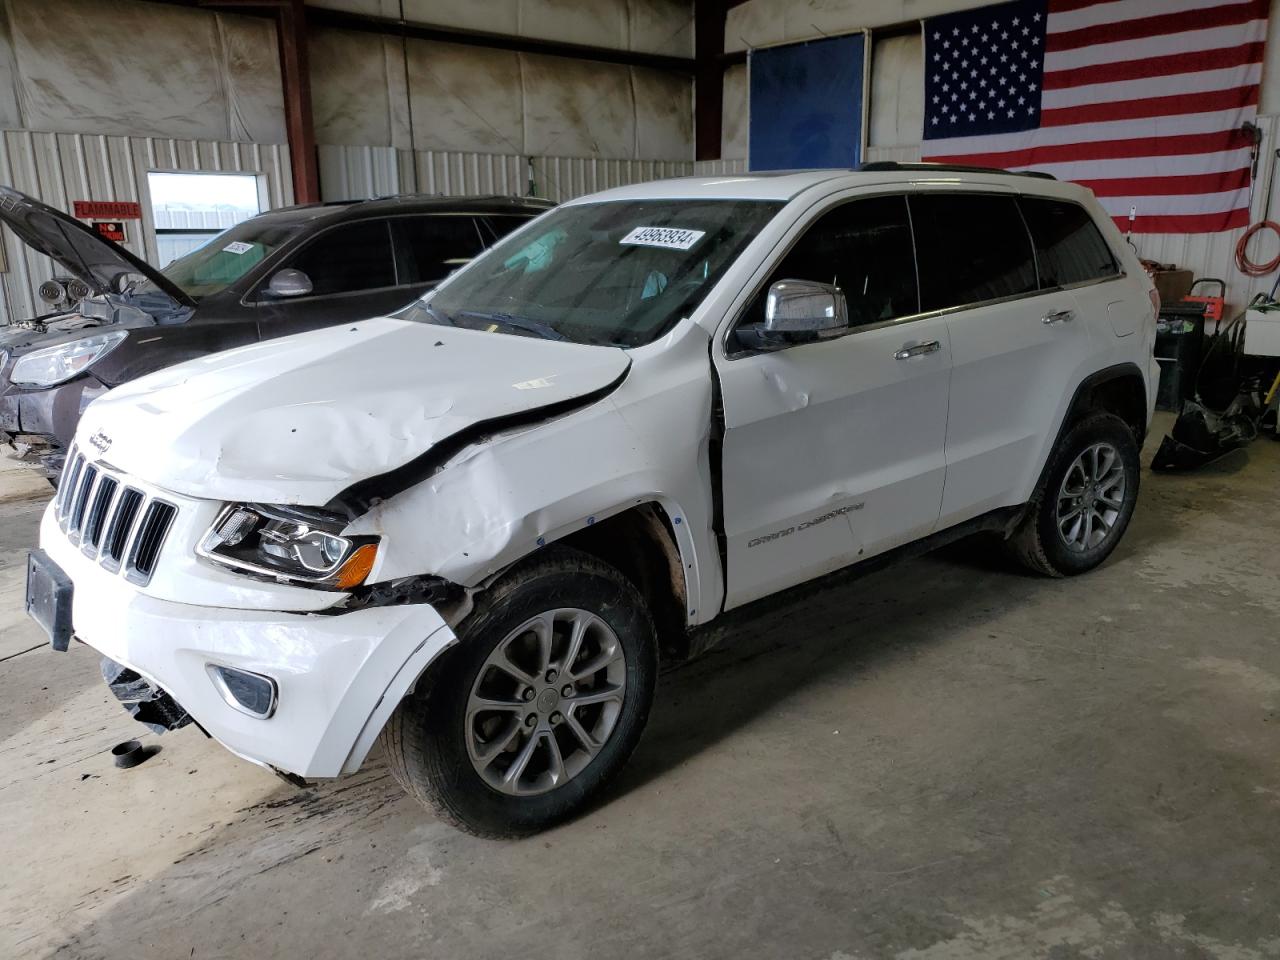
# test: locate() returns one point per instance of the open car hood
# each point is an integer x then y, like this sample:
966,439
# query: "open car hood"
300,419
80,251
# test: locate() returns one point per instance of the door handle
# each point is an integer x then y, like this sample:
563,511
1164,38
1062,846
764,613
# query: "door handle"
918,350
1054,316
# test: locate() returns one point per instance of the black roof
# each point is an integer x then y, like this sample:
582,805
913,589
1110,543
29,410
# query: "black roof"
407,203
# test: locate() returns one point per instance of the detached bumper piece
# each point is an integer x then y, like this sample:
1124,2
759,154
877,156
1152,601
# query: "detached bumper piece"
37,449
148,704
1200,436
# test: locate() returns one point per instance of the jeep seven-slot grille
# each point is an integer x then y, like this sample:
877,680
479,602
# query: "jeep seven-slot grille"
114,523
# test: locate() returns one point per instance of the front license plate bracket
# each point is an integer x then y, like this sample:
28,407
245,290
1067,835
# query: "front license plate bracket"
49,598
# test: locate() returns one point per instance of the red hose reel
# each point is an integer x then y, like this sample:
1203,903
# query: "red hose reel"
1247,266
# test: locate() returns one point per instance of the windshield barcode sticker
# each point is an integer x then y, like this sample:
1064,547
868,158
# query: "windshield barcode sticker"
238,247
669,237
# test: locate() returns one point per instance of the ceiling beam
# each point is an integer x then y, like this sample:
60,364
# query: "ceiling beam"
390,26
342,20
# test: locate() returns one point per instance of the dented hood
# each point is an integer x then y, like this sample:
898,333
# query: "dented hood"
300,419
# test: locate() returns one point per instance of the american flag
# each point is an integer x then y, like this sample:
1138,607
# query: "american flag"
1142,101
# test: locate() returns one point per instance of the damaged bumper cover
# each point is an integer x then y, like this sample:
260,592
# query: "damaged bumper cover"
338,676
34,423
147,703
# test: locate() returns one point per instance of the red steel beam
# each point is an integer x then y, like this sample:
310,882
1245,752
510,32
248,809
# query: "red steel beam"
295,76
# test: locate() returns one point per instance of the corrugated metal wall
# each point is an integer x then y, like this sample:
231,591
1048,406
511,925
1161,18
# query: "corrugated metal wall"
348,172
62,168
719,168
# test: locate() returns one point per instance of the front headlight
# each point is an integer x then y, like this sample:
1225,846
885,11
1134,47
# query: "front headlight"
44,368
291,544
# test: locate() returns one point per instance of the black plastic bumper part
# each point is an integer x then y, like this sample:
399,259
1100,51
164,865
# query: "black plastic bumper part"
148,704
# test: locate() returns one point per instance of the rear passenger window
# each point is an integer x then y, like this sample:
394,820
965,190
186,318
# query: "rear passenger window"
864,248
970,248
1069,247
428,249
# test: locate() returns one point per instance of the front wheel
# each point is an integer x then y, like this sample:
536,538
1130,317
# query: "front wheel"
1086,500
539,704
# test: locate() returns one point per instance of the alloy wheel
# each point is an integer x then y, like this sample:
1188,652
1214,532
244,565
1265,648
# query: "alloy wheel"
1091,497
545,702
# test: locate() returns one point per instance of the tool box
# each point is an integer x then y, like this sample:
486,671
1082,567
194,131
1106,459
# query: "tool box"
1262,332
1213,305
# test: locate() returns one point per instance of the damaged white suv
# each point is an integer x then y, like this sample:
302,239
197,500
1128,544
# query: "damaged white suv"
473,528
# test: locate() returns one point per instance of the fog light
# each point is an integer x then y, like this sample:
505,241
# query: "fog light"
247,692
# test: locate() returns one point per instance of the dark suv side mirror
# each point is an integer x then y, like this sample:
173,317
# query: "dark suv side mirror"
289,283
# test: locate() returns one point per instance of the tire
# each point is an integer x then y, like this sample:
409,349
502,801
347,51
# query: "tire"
438,742
1064,548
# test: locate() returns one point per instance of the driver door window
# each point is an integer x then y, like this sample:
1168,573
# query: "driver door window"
353,277
349,258
864,248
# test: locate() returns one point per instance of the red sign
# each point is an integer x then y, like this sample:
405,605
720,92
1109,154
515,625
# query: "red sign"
119,209
111,229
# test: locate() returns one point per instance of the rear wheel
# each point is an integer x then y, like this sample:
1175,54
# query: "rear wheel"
538,705
1086,500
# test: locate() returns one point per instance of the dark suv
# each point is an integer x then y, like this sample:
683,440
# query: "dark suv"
282,272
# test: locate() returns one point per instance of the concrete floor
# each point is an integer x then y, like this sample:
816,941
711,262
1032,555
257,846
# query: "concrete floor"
945,760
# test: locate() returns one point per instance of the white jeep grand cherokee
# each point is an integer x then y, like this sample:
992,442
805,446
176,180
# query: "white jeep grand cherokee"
471,529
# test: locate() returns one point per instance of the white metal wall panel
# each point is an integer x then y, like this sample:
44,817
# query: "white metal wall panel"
142,69
351,173
896,105
60,168
907,154
348,172
450,96
454,174
733,119
719,168
563,178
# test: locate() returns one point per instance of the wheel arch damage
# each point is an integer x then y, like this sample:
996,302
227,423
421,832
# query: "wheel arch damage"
624,478
640,542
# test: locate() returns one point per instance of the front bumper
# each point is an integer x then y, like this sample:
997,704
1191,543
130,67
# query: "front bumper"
339,675
40,423
40,450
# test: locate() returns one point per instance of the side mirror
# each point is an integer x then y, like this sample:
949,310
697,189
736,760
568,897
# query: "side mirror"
804,309
289,283
796,311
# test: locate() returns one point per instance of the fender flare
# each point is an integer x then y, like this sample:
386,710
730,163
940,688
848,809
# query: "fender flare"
1119,371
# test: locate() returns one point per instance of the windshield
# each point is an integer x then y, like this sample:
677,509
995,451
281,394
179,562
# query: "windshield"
619,273
227,257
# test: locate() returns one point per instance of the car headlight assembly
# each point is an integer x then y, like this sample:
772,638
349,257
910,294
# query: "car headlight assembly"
57,364
289,544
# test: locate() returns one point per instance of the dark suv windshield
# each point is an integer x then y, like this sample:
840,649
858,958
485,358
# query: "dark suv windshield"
619,273
227,257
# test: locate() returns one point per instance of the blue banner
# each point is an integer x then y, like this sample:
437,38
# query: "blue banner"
806,105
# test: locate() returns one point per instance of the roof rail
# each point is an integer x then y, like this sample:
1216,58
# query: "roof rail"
881,166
